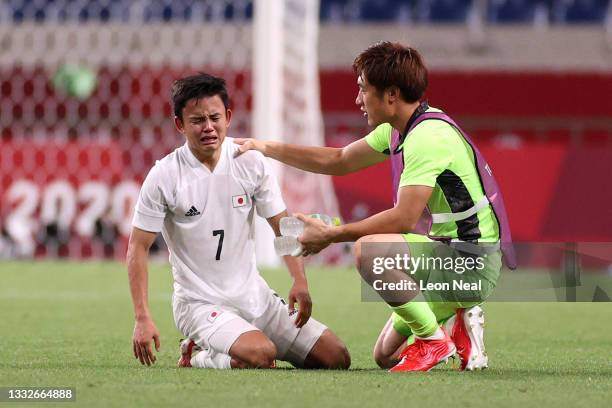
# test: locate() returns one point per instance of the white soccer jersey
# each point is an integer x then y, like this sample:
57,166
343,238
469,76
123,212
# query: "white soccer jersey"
206,219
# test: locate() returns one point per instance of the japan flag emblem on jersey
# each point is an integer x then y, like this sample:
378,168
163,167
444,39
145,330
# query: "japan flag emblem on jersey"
239,200
213,315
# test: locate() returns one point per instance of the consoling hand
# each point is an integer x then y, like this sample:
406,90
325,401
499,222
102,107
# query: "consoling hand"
249,144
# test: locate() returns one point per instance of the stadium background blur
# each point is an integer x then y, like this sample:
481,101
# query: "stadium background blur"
530,80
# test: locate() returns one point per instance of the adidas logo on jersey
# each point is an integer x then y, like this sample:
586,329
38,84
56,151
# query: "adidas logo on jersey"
192,211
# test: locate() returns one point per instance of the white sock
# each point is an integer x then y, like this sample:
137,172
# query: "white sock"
210,359
438,335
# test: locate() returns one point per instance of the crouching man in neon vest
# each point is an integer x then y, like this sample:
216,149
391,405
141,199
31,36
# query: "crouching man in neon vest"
444,238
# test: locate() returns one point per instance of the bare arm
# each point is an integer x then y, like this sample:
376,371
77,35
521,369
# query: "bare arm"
400,219
144,327
299,290
324,160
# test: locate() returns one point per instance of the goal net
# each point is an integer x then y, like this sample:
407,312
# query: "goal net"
72,157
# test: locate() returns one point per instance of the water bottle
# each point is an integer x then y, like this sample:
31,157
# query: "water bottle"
291,228
287,246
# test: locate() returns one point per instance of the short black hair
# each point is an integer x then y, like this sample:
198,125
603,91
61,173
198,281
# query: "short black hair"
197,86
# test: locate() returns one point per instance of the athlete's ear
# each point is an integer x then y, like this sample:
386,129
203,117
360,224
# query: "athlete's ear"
178,123
393,93
228,116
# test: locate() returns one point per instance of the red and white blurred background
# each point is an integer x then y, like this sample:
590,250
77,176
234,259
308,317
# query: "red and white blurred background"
532,84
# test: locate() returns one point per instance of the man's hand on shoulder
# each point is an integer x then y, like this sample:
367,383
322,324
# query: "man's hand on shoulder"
299,293
144,332
246,144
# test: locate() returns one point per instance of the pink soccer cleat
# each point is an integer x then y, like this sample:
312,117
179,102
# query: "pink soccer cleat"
423,355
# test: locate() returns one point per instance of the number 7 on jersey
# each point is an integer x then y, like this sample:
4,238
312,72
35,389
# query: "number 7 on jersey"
220,247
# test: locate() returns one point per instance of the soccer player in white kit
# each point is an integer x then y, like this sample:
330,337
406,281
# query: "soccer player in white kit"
203,199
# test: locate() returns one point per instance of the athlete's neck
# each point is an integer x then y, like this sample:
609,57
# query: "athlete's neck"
403,114
208,160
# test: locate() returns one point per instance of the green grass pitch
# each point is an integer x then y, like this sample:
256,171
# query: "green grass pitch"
70,324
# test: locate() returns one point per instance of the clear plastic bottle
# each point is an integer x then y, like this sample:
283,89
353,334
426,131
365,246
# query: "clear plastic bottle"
290,229
293,227
287,246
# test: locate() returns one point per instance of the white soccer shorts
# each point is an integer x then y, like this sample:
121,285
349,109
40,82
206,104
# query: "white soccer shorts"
218,327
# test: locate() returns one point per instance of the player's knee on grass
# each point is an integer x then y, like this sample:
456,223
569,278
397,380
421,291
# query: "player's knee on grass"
385,361
382,357
388,346
254,349
329,352
385,358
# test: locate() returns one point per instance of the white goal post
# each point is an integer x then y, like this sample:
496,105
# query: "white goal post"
287,103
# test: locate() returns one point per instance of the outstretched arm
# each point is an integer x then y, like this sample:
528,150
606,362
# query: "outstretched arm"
400,219
299,290
144,327
325,160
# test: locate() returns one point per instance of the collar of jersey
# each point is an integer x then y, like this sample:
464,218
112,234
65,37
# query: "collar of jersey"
194,162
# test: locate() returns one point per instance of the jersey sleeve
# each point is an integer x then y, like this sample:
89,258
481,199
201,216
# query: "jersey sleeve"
426,156
379,139
151,207
268,198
